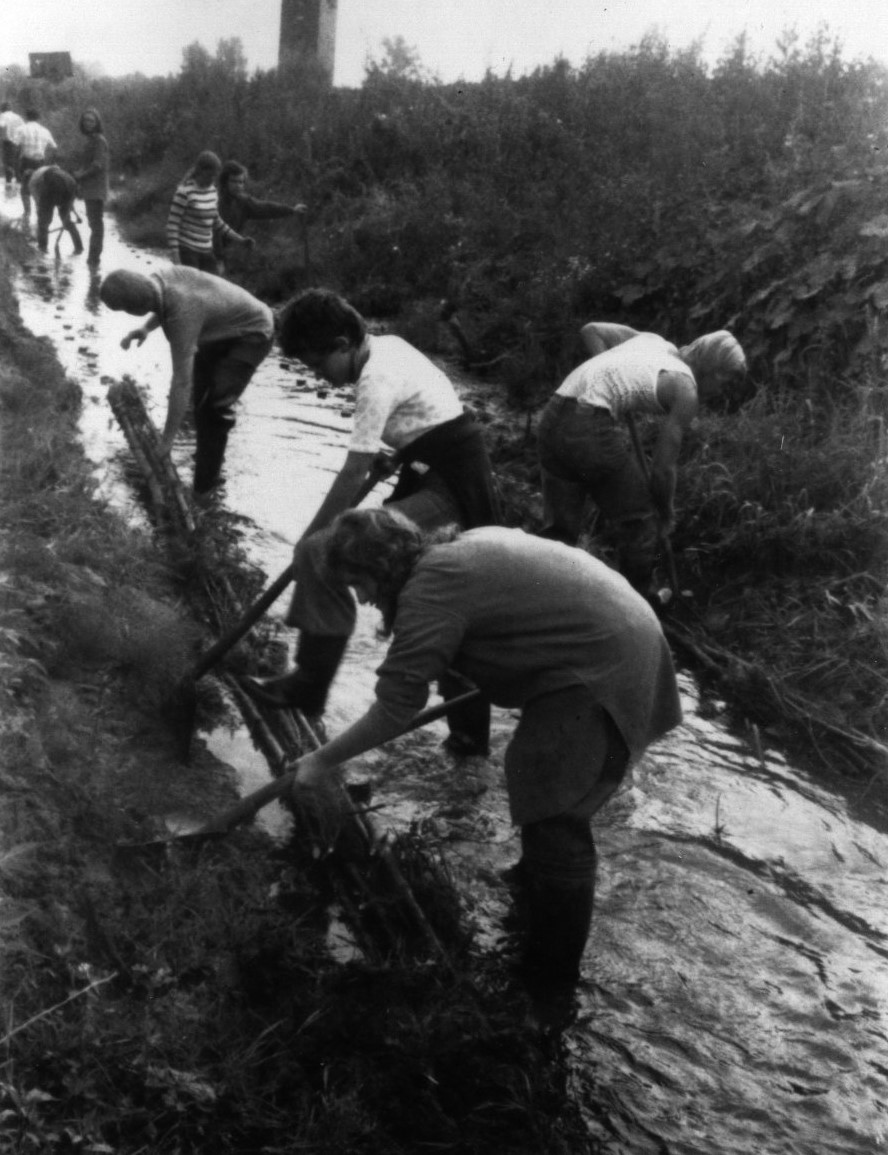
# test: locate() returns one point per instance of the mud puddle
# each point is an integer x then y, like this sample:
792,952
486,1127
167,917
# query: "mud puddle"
735,996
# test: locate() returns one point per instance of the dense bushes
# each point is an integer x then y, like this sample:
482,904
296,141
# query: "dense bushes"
641,187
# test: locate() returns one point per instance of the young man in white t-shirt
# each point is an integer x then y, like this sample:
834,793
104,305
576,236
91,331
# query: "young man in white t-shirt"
407,404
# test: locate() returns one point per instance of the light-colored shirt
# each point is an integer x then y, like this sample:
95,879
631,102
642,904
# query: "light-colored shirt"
399,395
10,123
522,617
623,379
34,139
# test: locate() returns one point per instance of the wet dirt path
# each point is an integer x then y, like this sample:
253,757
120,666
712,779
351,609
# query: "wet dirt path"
736,990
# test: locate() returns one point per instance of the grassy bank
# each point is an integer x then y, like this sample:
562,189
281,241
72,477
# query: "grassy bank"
185,1001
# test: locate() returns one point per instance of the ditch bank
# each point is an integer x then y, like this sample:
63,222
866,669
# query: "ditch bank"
735,965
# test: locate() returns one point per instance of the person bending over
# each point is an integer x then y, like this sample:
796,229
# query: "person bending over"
585,449
541,628
218,334
52,188
406,403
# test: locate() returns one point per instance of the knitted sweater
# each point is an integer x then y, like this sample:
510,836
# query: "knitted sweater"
194,217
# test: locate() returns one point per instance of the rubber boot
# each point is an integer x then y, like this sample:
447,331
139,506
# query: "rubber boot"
469,724
305,688
211,440
558,918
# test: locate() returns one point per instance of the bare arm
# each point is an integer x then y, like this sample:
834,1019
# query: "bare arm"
343,491
180,392
677,394
368,732
151,322
599,336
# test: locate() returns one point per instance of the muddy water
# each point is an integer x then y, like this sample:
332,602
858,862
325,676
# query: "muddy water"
735,998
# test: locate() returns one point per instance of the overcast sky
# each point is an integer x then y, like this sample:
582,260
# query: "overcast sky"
454,38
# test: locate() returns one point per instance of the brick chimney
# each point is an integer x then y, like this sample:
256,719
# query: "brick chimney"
308,29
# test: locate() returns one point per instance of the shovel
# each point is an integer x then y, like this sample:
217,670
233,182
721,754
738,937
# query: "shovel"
247,808
183,702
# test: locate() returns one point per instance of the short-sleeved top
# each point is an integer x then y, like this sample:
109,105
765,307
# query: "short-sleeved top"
10,123
33,140
399,395
522,617
623,379
199,309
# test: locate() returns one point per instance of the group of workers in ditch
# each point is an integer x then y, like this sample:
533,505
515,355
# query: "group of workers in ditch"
537,624
30,155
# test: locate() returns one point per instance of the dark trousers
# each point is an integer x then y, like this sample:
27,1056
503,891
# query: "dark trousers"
222,372
10,160
584,453
206,262
95,218
26,167
46,205
565,760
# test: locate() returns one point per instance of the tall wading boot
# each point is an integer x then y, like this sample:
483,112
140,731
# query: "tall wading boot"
317,659
558,917
211,440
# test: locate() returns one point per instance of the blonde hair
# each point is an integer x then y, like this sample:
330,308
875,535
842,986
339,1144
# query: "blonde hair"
718,352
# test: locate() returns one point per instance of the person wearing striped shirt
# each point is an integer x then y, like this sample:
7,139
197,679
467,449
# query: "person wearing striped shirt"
194,219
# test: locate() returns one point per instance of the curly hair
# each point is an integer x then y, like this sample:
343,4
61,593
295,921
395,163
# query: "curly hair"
384,546
315,320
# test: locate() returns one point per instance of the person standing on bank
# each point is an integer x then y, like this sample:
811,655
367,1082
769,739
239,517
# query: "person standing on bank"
585,450
237,206
36,147
410,405
10,123
92,178
539,627
194,219
218,334
52,188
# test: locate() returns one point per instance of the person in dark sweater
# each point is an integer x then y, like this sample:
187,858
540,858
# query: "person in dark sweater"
541,628
92,177
237,207
404,401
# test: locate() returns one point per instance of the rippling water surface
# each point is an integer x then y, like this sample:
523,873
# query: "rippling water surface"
736,982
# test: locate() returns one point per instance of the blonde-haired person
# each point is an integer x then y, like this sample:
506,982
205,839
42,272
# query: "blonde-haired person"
194,218
584,443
